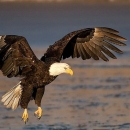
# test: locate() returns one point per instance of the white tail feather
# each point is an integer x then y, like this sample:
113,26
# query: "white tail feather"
12,98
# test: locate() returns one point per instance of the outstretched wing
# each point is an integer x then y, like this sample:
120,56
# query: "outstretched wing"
16,56
86,43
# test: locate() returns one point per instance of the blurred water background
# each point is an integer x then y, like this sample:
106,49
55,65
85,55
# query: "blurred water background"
98,95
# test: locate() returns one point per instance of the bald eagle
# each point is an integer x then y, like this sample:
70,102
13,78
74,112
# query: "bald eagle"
18,60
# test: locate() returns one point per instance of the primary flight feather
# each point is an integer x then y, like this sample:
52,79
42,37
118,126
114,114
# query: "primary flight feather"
18,60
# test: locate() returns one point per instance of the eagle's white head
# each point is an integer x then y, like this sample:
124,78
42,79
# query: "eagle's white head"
59,68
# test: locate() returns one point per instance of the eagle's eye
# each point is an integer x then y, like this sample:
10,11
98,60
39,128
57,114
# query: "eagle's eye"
65,68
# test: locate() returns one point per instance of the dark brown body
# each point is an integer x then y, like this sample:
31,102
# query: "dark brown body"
34,83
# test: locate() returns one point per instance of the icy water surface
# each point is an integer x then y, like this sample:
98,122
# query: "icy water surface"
97,97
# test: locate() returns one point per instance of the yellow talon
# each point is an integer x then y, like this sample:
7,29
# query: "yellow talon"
38,112
25,116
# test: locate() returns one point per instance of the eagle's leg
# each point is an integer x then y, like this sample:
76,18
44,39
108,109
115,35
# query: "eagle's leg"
38,112
38,97
25,115
25,98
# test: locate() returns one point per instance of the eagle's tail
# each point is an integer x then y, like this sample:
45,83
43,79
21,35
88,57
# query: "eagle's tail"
12,98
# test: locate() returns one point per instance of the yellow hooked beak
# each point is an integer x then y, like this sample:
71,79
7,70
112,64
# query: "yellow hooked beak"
69,71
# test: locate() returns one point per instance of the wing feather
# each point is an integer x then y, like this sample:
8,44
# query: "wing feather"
76,51
93,50
106,51
8,69
15,53
84,54
110,46
104,29
87,56
88,50
79,50
97,51
100,42
109,35
114,41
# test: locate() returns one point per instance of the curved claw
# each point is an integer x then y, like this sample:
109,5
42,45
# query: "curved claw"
38,112
25,116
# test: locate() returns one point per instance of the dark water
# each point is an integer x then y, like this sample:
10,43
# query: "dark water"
98,95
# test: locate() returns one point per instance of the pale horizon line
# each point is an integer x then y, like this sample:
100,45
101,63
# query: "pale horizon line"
65,1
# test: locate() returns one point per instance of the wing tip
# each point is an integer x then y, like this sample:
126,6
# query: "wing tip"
110,30
106,29
124,39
